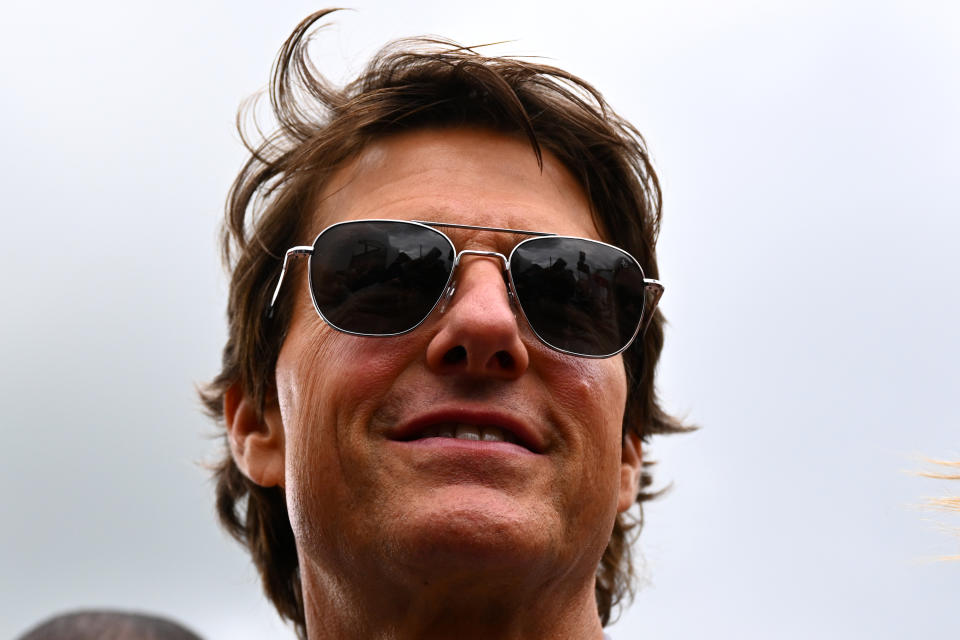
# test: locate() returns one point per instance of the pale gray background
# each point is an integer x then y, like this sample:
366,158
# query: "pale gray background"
808,152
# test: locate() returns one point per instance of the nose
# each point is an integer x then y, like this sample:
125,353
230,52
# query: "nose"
479,334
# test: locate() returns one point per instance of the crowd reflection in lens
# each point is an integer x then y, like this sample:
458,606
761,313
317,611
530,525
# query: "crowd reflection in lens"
591,304
379,278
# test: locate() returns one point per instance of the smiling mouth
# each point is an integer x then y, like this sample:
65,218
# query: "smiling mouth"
486,433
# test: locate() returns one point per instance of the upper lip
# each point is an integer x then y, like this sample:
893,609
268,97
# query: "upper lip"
525,434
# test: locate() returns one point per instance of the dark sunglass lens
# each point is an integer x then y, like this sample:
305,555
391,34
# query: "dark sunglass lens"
379,277
579,296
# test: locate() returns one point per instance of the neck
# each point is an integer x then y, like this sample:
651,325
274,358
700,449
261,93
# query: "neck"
514,607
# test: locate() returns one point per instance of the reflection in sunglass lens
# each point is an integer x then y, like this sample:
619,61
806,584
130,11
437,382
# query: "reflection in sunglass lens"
379,277
579,296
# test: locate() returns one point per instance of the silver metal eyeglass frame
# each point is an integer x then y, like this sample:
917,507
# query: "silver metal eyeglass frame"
652,289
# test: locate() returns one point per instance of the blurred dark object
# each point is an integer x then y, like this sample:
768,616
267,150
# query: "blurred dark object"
108,625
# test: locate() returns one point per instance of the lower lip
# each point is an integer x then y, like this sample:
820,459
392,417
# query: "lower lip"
457,445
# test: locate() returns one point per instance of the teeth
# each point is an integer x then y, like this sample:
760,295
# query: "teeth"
492,434
468,432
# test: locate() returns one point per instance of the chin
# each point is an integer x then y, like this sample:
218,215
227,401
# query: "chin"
479,528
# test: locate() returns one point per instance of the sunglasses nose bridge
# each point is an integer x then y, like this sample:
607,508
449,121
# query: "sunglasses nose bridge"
452,287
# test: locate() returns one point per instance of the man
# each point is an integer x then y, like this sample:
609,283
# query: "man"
435,427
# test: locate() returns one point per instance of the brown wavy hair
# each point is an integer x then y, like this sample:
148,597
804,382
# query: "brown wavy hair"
412,84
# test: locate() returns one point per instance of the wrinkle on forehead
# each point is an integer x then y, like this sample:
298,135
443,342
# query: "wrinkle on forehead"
438,171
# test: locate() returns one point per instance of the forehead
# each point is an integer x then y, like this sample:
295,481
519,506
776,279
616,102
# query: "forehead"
464,176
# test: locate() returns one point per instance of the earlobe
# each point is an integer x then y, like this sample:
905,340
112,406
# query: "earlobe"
256,442
631,466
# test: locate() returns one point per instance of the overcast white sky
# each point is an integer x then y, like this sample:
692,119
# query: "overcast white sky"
808,152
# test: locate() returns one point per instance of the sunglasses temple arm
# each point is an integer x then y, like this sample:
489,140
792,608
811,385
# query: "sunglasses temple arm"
292,252
654,291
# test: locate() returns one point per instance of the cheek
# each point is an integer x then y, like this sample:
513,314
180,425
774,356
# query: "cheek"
328,385
590,396
596,392
304,394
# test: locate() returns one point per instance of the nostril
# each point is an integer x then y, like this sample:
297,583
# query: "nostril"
505,360
455,355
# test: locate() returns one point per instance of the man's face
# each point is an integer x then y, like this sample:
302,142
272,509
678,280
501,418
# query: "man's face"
368,488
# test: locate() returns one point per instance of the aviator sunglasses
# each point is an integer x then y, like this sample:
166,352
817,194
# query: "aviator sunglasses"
385,277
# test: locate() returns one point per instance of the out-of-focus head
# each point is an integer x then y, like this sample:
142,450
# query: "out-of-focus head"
108,625
430,130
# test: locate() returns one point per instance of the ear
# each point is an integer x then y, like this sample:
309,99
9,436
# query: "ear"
256,443
631,465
